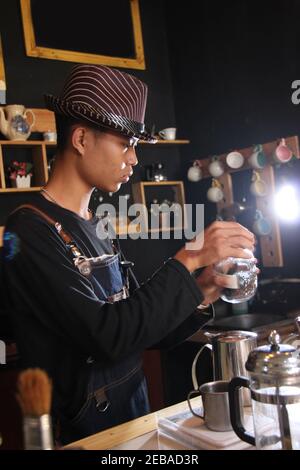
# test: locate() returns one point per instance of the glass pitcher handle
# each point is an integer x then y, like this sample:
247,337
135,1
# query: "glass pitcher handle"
33,117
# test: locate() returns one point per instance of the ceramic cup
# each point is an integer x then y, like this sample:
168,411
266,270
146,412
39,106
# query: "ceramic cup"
257,159
50,136
215,193
194,173
168,134
235,160
216,168
282,153
261,225
258,186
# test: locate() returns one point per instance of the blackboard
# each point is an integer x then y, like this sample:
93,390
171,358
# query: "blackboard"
100,31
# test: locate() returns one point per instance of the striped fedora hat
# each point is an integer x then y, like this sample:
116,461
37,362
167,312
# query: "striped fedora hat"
104,97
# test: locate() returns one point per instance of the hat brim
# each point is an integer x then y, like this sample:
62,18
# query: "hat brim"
99,118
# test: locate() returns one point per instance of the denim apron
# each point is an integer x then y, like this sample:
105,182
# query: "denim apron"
116,393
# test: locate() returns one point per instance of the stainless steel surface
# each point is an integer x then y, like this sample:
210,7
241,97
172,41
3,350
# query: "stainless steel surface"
283,324
215,402
246,321
38,433
230,352
280,361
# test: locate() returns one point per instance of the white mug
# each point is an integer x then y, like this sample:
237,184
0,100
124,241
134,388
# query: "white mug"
216,168
215,193
168,134
235,160
50,136
194,173
258,186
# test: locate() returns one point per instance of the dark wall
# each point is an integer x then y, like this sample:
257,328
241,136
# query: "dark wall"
232,65
29,78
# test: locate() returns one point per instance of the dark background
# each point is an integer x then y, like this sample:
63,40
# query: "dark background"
219,71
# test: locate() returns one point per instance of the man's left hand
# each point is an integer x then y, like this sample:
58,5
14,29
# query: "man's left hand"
208,284
211,285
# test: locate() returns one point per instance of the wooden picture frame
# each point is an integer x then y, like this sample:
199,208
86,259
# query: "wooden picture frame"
35,50
2,71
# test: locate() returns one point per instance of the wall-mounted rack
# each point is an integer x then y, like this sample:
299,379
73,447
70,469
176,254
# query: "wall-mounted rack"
271,247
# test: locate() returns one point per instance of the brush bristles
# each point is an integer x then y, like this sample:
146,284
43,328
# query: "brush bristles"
34,392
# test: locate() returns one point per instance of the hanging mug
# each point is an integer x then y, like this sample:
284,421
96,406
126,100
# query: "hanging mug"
194,173
257,159
261,225
215,193
216,168
258,186
235,160
283,153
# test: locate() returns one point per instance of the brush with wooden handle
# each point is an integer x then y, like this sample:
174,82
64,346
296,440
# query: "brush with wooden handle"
34,396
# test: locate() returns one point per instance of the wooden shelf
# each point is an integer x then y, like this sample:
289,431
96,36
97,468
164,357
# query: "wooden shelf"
161,141
32,143
26,143
38,157
268,150
160,183
20,190
121,231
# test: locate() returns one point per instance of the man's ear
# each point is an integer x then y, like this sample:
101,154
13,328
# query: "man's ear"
78,139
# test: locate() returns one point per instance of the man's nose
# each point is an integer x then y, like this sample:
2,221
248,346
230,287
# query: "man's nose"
132,158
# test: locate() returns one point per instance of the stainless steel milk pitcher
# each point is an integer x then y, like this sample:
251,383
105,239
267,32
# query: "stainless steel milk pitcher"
230,350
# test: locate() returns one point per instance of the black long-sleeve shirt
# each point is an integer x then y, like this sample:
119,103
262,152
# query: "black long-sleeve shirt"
58,319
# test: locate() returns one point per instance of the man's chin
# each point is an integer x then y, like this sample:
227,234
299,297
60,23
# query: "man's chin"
110,189
114,188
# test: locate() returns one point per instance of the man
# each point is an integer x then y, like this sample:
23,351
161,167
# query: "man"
67,290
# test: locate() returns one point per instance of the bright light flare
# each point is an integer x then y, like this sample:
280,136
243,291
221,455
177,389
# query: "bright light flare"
286,204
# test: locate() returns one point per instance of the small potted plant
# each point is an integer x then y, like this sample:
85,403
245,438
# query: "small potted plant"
20,174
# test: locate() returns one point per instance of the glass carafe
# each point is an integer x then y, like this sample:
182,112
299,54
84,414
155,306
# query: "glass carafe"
274,382
240,276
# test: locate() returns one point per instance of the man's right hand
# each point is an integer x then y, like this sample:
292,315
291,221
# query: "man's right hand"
221,239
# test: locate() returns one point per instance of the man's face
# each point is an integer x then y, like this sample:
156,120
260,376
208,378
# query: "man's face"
108,160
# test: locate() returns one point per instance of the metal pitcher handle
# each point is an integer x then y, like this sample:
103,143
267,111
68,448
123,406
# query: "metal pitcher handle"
190,396
194,378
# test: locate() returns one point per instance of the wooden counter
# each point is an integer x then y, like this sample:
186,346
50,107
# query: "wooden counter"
125,432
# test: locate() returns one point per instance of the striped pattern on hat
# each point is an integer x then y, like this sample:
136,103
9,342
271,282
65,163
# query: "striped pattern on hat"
105,97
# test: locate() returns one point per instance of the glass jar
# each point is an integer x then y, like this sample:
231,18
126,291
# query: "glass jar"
240,276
